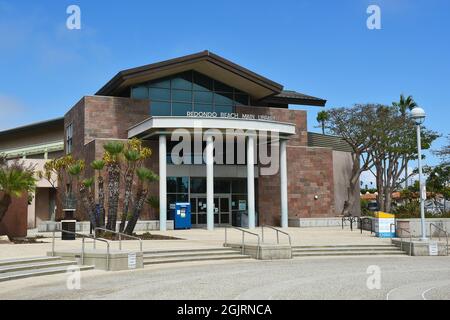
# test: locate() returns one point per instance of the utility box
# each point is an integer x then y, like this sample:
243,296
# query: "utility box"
181,215
384,225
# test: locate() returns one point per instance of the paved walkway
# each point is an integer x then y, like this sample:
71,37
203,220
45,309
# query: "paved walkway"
200,238
313,278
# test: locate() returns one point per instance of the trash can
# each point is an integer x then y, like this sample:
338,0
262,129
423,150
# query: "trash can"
181,215
68,225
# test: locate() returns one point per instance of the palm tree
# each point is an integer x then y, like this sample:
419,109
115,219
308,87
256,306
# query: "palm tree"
112,159
85,190
145,177
403,105
322,117
98,166
87,196
15,179
132,156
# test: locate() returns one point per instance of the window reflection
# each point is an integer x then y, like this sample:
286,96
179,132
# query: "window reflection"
189,91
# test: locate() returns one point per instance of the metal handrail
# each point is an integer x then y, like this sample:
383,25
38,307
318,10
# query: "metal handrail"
84,236
349,218
362,219
243,239
439,234
278,232
401,239
120,237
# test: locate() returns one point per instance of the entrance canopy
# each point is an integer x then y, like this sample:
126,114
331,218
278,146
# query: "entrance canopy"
154,126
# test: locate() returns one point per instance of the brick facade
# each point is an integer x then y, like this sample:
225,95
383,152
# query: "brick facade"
310,174
97,120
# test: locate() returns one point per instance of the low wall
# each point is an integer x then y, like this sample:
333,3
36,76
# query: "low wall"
84,226
315,222
420,248
116,261
415,225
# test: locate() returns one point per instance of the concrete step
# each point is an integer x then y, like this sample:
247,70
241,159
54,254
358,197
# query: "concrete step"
361,246
168,254
35,273
8,262
345,249
175,259
347,253
186,250
35,266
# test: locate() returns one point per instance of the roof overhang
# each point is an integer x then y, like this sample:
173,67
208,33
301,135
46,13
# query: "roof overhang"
159,125
297,98
204,62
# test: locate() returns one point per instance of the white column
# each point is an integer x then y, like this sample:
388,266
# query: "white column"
162,183
209,182
251,181
283,184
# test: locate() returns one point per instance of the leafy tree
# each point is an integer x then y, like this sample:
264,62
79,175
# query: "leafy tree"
395,143
444,153
15,179
354,126
322,117
438,184
55,172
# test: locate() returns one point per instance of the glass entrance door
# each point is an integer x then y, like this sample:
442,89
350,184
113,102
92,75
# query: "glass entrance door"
222,210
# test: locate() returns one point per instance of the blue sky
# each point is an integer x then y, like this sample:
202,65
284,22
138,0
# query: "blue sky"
322,48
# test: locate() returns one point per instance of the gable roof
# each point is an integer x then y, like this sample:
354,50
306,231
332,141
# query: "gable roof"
204,62
214,66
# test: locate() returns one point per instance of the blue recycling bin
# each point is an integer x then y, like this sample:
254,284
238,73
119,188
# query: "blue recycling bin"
181,215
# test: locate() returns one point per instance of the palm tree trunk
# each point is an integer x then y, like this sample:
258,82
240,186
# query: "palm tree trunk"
126,204
113,197
101,201
141,195
88,205
5,202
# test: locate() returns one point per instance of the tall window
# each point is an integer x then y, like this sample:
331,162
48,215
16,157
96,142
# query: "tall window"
69,138
189,91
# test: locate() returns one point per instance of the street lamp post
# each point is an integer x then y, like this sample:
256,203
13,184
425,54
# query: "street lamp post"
418,114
